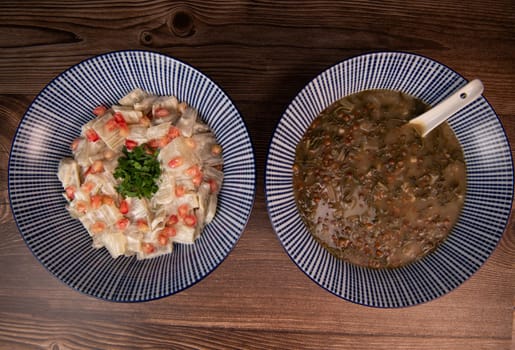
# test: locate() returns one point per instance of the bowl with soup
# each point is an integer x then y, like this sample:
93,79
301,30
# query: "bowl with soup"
369,209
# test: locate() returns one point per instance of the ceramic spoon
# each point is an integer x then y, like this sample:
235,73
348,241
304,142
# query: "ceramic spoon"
429,120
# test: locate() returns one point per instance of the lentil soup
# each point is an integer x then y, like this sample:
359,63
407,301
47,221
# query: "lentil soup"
369,188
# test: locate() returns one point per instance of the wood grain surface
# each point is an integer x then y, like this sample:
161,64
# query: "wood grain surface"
261,53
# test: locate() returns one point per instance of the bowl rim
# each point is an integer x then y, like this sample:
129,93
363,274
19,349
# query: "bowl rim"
252,169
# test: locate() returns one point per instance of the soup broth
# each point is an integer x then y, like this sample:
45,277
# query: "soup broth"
369,188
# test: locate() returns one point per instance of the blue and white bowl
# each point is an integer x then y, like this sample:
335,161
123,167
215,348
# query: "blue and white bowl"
489,183
43,138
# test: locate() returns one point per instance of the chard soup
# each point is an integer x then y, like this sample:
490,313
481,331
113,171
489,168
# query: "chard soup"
369,188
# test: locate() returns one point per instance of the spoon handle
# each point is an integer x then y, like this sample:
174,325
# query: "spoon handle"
441,112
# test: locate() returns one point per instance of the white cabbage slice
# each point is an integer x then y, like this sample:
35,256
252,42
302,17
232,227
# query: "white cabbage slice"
211,208
207,204
214,174
138,133
87,152
134,238
178,148
139,209
159,221
165,192
185,234
157,131
69,173
187,121
145,105
133,97
201,127
108,214
170,105
204,149
110,165
104,183
130,115
112,138
115,243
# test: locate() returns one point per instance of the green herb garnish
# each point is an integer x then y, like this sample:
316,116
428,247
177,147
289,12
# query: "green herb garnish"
138,169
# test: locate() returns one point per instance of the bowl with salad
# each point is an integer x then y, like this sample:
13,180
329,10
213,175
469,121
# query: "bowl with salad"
131,176
368,208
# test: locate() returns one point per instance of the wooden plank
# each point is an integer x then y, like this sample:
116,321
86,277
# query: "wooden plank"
30,331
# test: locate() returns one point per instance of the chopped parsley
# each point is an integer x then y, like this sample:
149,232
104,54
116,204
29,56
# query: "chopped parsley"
138,171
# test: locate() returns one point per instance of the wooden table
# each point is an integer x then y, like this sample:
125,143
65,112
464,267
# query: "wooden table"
261,53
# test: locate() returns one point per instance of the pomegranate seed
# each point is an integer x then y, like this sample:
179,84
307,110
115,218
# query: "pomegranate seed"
95,201
92,135
118,117
82,207
172,220
122,224
176,162
153,144
216,150
163,141
162,238
98,227
183,210
148,248
107,200
161,113
169,231
124,207
197,180
99,110
97,166
111,125
130,144
142,225
193,171
213,186
174,132
70,192
190,220
179,191
190,142
87,186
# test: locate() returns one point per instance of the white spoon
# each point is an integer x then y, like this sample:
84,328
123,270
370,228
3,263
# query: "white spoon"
429,120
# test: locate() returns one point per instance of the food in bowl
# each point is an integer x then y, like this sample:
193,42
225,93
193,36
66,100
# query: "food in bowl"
489,179
145,174
369,188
